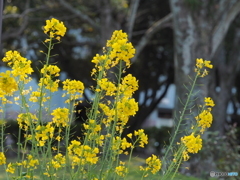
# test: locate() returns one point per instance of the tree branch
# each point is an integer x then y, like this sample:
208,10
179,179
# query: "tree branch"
164,22
26,12
222,28
132,16
84,17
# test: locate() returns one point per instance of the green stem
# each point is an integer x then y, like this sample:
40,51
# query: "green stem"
181,118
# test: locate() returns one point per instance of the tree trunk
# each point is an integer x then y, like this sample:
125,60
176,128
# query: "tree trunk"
199,28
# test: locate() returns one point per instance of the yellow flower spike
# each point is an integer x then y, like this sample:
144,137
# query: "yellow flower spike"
8,84
61,117
204,119
209,102
153,164
193,144
2,158
55,29
10,168
200,67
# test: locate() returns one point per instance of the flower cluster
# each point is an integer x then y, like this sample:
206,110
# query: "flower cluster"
74,89
8,84
21,67
30,163
82,154
129,85
142,137
121,49
121,170
2,158
25,119
205,118
120,145
107,86
153,164
43,133
201,66
55,29
60,117
193,144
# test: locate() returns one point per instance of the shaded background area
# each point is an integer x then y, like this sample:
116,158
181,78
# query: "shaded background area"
168,36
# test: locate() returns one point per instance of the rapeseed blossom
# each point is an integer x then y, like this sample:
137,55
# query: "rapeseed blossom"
8,84
25,119
153,164
107,86
192,143
50,71
204,119
121,49
30,162
74,89
209,102
129,85
121,170
10,168
82,154
141,137
60,117
58,161
55,29
43,133
201,65
2,158
21,67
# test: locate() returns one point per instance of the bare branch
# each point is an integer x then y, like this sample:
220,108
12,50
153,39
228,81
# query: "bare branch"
222,28
26,12
132,16
81,15
160,24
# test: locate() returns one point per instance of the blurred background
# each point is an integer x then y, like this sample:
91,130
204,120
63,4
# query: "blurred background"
168,36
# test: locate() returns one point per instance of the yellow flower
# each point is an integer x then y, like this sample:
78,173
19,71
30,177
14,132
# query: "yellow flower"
8,85
126,107
209,102
54,28
200,64
204,119
121,170
129,85
107,86
43,133
193,144
25,119
121,49
50,70
21,66
58,161
30,162
74,89
82,154
153,164
10,168
185,156
142,137
2,158
48,83
61,117
35,95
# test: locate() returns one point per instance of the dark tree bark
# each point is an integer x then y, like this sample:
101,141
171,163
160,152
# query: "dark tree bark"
198,32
